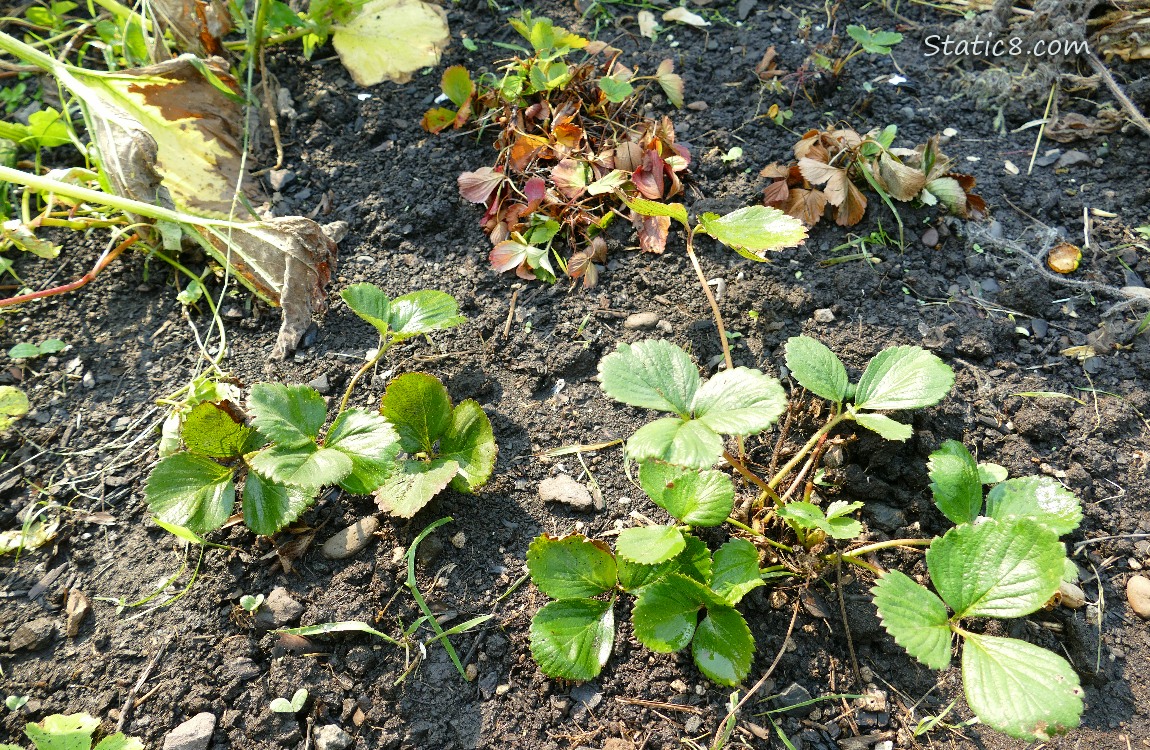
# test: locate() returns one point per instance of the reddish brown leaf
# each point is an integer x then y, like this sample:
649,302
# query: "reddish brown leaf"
652,232
775,171
776,193
648,178
767,68
534,190
852,208
478,186
806,143
524,150
806,205
567,138
435,120
570,177
628,156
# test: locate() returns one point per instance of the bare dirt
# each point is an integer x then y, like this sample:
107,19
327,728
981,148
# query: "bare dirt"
999,322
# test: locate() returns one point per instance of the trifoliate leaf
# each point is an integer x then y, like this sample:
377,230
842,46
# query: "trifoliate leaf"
372,445
650,545
13,405
288,415
645,207
388,40
697,498
817,368
269,506
191,491
1020,689
419,407
215,430
413,485
955,482
903,377
572,639
989,473
666,612
1040,499
651,374
736,570
684,442
571,567
915,617
803,514
416,313
304,466
997,568
723,646
741,401
634,576
469,442
755,230
889,429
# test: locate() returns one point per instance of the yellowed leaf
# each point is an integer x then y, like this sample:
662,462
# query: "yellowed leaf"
388,40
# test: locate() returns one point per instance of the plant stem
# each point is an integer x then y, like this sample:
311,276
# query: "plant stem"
767,539
886,545
710,298
84,280
798,457
749,475
383,347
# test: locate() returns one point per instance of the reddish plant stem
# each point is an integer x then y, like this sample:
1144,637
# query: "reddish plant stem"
84,280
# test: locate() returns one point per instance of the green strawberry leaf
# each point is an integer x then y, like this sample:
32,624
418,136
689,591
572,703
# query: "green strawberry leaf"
693,562
370,303
903,377
470,442
650,545
288,415
736,570
305,466
216,431
723,646
997,568
413,485
955,482
755,230
817,368
741,401
419,407
615,90
889,429
372,445
1040,499
1020,689
571,567
697,498
63,732
989,473
645,207
269,506
666,613
417,313
191,491
572,639
915,617
684,442
806,515
651,374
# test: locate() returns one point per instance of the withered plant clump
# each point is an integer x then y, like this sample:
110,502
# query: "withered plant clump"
572,143
833,167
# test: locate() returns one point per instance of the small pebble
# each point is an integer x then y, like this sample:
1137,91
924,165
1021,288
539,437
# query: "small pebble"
566,490
321,384
930,237
824,315
1138,596
280,178
641,320
699,106
351,540
459,541
331,737
1072,159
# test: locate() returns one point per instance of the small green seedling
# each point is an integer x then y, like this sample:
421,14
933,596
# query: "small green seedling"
15,702
294,706
1001,561
812,526
733,154
251,604
73,732
32,351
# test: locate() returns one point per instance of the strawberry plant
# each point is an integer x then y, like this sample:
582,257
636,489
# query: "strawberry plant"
275,448
570,142
685,596
834,166
1001,561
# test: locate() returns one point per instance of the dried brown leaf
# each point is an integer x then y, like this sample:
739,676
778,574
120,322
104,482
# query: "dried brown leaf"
776,193
852,208
652,232
806,205
197,26
901,182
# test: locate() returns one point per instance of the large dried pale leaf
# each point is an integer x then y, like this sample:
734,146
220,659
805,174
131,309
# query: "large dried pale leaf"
853,206
286,260
391,39
806,205
903,183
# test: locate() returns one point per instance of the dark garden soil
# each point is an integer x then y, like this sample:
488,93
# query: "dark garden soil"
362,157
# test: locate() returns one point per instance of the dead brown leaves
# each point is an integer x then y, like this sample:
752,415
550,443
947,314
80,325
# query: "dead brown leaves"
833,166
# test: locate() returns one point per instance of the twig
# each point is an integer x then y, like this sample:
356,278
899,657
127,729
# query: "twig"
130,700
846,625
510,314
766,675
1042,127
1131,108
